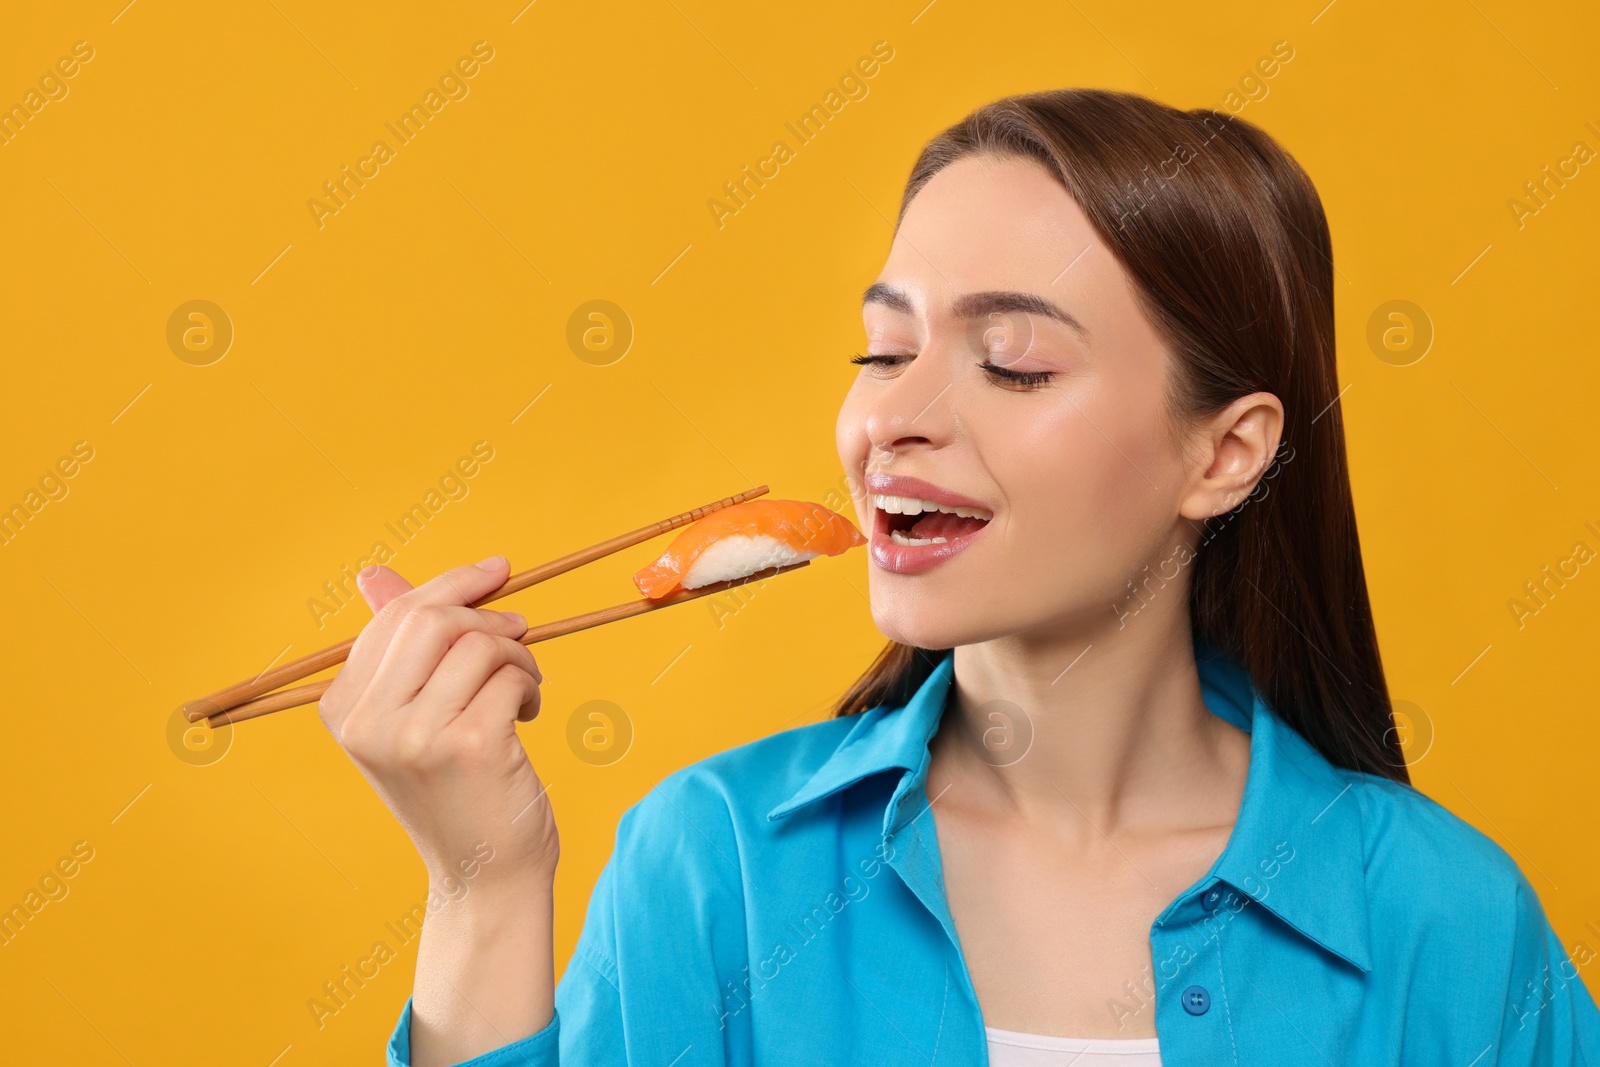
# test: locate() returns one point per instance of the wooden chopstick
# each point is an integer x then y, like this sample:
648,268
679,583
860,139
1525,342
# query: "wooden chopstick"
310,694
234,695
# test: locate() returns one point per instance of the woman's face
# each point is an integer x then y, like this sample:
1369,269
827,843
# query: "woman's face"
995,262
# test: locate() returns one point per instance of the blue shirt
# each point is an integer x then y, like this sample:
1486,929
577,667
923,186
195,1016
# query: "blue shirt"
783,903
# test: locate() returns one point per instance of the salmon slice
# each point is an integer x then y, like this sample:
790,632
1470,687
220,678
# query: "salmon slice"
741,539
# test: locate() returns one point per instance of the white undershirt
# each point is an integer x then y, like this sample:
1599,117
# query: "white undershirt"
1007,1048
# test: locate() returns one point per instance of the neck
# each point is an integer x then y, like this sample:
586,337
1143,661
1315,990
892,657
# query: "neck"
1120,735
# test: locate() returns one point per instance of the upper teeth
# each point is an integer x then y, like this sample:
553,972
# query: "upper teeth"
910,505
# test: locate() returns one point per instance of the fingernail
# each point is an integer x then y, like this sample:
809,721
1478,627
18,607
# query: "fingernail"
491,563
367,574
516,619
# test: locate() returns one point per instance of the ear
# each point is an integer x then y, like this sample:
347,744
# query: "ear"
1232,451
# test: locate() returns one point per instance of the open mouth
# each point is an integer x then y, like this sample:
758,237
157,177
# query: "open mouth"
912,522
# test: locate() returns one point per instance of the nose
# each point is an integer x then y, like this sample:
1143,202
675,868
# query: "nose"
913,408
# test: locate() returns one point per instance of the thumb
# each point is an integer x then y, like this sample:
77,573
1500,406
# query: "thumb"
463,585
379,585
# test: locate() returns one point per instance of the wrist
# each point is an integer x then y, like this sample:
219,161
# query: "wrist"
489,900
487,873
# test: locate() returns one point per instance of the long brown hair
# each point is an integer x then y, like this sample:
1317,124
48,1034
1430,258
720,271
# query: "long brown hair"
1225,242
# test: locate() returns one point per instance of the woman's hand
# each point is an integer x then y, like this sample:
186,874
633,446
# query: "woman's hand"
427,707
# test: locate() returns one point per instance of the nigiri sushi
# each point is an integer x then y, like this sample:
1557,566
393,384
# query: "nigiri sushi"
741,539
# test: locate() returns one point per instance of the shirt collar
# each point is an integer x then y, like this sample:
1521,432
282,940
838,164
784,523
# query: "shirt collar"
1296,848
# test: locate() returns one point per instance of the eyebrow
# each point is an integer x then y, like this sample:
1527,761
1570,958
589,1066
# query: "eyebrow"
978,305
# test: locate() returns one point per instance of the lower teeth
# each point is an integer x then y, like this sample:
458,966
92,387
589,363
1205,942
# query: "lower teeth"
900,538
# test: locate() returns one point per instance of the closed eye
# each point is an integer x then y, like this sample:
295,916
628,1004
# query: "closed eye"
861,360
997,374
1029,379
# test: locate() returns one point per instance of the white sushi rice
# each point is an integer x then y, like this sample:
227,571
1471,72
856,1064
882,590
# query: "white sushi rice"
740,556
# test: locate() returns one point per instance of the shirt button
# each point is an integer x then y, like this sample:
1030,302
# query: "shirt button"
1196,1000
1213,895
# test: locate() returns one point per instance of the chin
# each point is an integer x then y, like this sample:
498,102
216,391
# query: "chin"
923,626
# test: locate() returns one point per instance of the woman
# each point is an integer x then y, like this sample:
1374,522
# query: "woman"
1127,770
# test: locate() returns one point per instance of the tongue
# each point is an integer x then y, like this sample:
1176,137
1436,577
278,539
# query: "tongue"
943,524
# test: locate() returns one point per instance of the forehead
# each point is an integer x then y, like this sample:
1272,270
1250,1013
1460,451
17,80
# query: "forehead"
984,223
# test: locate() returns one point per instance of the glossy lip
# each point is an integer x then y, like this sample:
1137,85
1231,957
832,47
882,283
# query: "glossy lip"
915,559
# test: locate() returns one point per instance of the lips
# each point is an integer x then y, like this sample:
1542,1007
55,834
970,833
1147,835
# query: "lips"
906,493
904,485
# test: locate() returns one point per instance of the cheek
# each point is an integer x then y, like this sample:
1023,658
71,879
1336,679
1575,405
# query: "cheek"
1080,472
1139,484
1066,476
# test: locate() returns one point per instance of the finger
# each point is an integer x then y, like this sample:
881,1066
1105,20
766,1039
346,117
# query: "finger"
491,710
529,710
422,641
471,661
463,585
393,597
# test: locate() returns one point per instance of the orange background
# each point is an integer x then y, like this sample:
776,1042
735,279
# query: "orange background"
431,312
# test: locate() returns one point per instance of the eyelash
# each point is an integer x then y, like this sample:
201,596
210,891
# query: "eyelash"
1027,379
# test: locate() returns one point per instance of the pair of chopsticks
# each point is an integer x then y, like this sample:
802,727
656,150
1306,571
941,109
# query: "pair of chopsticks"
256,697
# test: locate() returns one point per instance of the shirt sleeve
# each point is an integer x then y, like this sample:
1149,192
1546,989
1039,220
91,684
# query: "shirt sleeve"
664,929
535,1050
1550,1018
